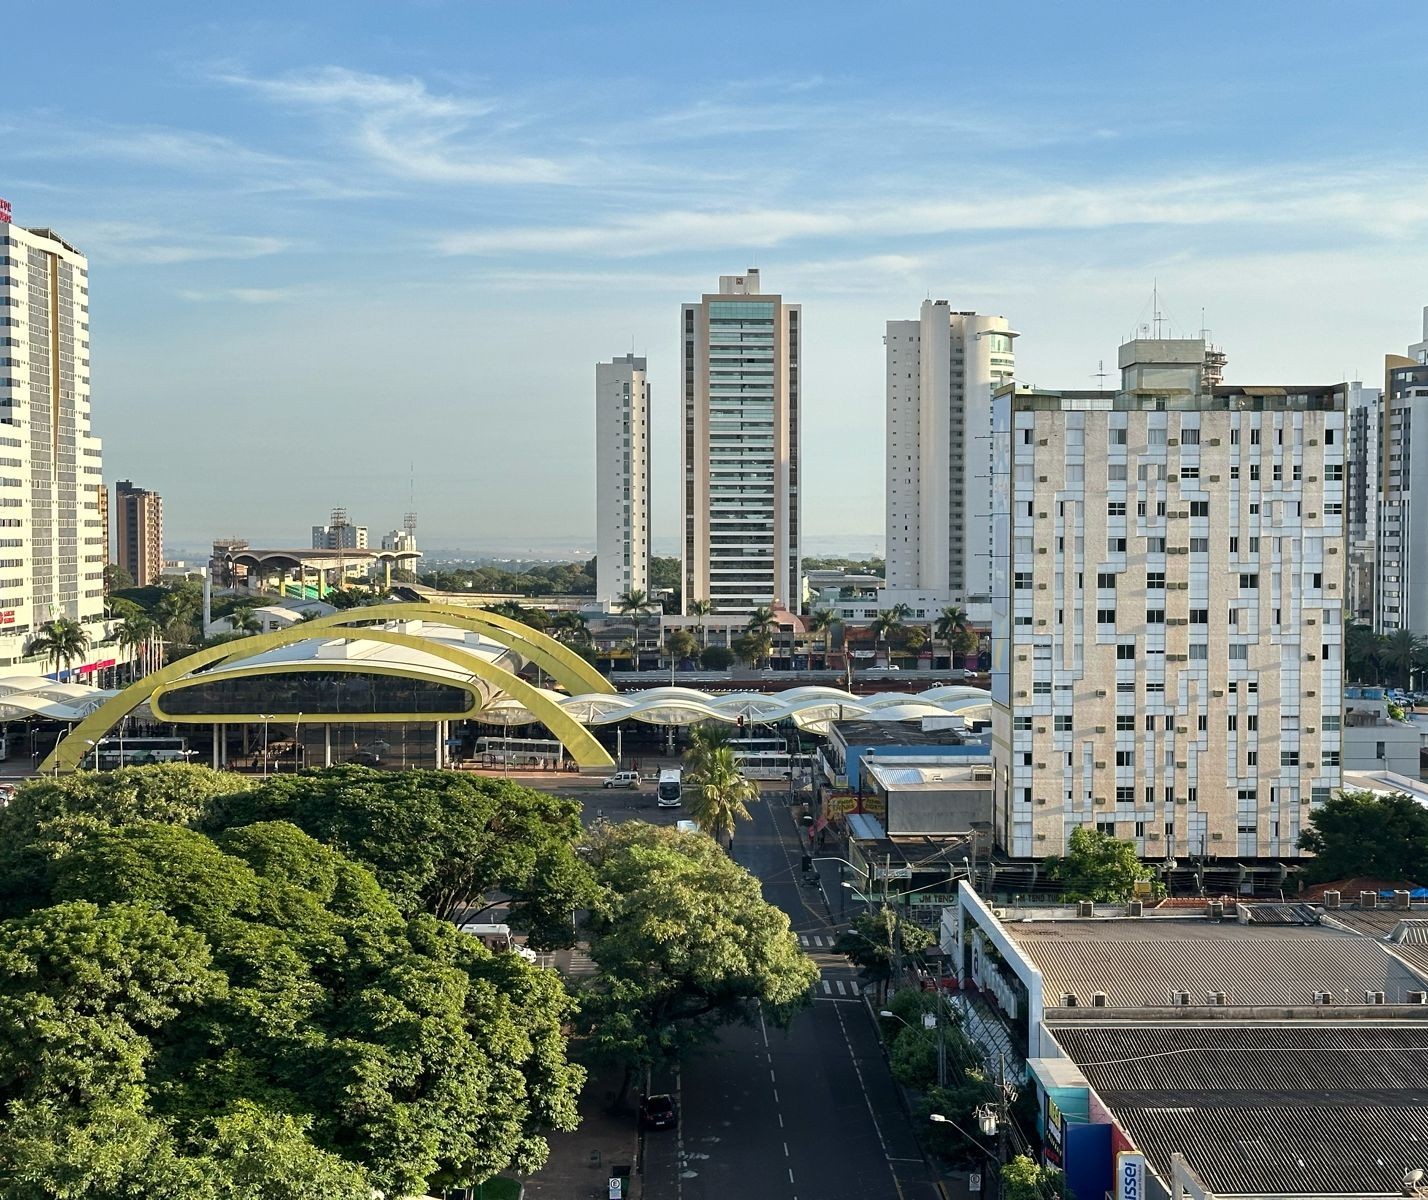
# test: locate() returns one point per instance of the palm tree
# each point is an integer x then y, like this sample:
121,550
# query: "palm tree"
1400,650
885,622
760,629
569,627
175,615
701,609
951,623
242,618
61,641
821,620
634,602
136,632
723,795
704,739
1361,649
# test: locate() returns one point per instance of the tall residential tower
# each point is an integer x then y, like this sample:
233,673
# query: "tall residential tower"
942,371
1168,628
622,479
52,543
140,532
1402,599
742,401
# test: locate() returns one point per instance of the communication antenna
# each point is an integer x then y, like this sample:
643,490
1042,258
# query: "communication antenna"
1100,374
1155,307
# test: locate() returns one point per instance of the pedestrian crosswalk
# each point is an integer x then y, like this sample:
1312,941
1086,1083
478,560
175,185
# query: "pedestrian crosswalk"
816,941
840,987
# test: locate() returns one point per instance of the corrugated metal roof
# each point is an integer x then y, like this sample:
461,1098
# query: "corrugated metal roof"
1141,963
1281,1151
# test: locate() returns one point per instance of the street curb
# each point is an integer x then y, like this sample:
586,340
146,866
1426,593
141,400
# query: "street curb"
904,1099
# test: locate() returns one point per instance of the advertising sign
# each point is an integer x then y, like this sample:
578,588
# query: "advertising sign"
1130,1175
5,211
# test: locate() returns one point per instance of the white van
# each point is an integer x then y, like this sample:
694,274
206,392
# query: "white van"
623,779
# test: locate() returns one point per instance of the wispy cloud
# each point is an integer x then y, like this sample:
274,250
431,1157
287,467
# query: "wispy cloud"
121,242
1371,204
405,128
241,295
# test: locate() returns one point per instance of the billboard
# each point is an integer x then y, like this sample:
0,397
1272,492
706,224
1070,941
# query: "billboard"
1130,1175
5,211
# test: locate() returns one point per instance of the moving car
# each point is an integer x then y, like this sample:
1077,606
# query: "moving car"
671,789
658,1112
625,779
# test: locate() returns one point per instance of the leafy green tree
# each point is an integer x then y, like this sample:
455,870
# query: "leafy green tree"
821,621
1360,834
716,658
875,940
885,624
185,1005
116,579
680,645
244,619
135,636
1096,866
722,794
701,609
704,739
1024,1179
61,641
754,648
438,841
968,1088
685,942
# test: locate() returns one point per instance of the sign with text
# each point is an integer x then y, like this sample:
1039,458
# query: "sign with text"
5,211
1130,1175
7,616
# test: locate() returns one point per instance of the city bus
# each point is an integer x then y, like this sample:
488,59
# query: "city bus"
529,752
670,792
114,752
763,764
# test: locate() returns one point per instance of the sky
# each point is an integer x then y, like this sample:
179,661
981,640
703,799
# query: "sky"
368,254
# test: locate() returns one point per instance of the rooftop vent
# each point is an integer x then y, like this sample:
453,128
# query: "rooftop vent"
1182,999
1323,997
1373,997
1416,998
1368,899
1331,899
1068,1000
1135,908
1215,998
1085,908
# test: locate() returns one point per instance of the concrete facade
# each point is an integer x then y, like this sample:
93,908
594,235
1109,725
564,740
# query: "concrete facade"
1167,628
1361,480
622,479
1402,575
53,546
942,370
140,525
741,390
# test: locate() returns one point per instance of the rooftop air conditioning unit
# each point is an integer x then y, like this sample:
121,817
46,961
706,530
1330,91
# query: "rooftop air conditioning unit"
1401,900
1085,908
1214,441
1182,1000
1416,998
1135,908
1373,997
1068,1000
1098,1000
1100,766
1331,899
1368,899
1100,729
1214,479
1323,997
1215,910
1215,998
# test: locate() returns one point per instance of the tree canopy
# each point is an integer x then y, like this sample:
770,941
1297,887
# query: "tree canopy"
1355,834
685,942
439,841
876,937
1096,866
245,1012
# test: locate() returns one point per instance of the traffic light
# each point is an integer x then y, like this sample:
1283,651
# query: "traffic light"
739,723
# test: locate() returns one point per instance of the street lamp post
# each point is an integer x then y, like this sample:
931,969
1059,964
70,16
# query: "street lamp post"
297,745
266,718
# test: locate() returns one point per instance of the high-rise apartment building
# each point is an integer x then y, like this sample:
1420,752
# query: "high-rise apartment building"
339,533
1402,580
742,398
1361,502
622,478
942,371
52,544
1167,630
140,528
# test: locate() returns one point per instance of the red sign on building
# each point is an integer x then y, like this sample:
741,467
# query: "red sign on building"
5,211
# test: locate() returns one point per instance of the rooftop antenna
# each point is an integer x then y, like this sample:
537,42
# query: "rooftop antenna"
1100,374
1155,306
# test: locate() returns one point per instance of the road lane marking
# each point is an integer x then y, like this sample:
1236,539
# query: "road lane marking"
827,988
785,1149
863,1087
841,992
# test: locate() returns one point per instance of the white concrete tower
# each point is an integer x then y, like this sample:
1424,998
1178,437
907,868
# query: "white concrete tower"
742,399
52,537
622,478
942,371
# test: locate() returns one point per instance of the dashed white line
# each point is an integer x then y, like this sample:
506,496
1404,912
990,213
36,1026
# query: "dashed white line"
785,1149
841,992
863,1087
827,988
790,1176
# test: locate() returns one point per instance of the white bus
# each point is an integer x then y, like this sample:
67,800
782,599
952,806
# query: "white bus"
670,792
763,764
137,751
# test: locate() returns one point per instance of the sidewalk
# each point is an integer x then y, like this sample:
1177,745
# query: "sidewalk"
580,1162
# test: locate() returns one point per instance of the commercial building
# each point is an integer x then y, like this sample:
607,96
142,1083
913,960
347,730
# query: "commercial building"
140,525
53,547
622,479
942,371
1167,628
1234,1050
741,389
1402,601
339,533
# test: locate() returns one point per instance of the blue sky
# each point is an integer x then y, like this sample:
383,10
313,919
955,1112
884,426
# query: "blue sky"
331,243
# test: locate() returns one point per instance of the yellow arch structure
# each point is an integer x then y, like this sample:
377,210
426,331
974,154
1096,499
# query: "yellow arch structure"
583,747
555,658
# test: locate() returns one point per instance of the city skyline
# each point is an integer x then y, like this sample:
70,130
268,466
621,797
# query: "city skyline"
257,194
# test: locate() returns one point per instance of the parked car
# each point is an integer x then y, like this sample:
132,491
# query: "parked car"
658,1112
623,779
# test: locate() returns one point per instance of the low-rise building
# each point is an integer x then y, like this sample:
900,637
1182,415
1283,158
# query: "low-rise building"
851,745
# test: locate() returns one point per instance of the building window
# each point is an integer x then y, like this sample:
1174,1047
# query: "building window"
1062,724
1155,581
1330,758
1125,722
1106,580
1125,795
1022,724
1249,582
1155,616
1116,508
1289,758
1115,545
1106,616
1125,758
1125,651
1199,616
1199,508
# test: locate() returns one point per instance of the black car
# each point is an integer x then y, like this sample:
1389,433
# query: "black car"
658,1112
